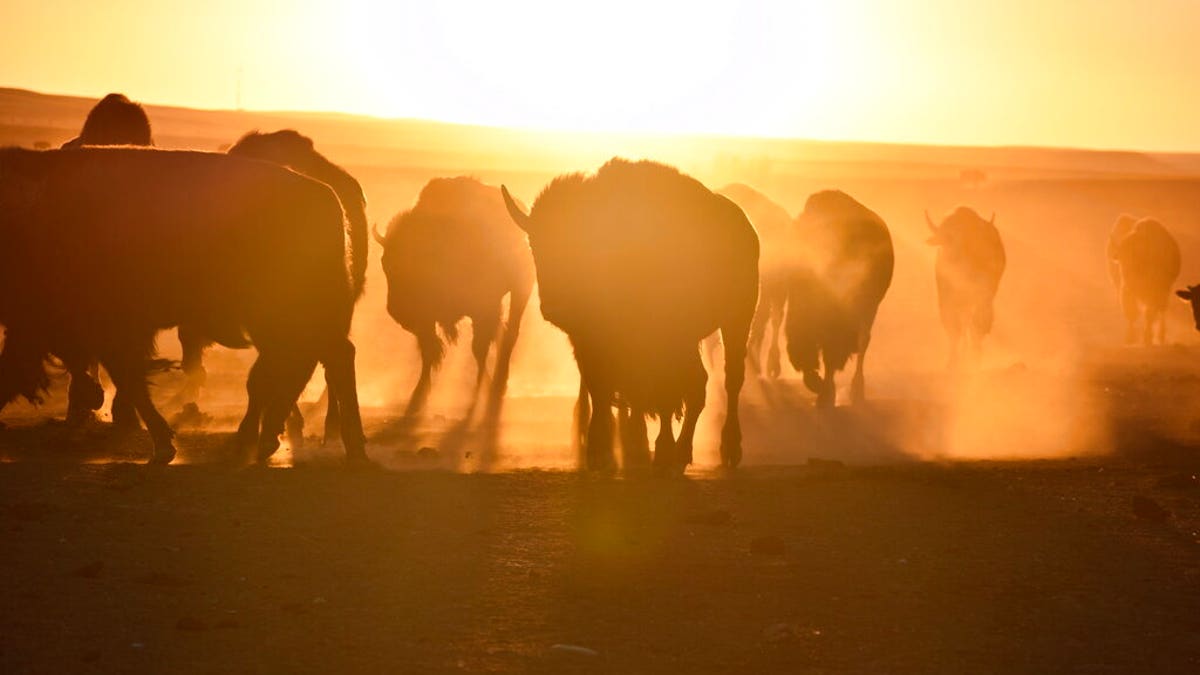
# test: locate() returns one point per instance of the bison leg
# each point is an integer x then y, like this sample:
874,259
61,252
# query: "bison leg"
599,448
343,387
581,421
518,301
257,391
484,328
286,379
858,386
333,414
1129,305
85,394
635,447
665,455
431,354
192,344
734,336
128,373
774,369
693,405
758,329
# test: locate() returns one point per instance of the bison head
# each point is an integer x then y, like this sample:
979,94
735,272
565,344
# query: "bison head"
1191,295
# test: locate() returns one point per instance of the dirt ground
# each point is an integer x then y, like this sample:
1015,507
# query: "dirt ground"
841,562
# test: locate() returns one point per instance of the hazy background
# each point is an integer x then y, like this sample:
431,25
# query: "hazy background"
1080,73
1030,96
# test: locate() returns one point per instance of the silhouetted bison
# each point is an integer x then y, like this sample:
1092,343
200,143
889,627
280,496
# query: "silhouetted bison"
291,149
101,248
1191,295
637,264
843,269
1148,260
456,254
970,262
774,226
1120,230
115,120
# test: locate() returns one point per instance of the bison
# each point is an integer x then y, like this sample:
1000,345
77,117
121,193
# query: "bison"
774,228
843,268
456,254
102,247
289,148
970,262
637,264
115,120
1148,262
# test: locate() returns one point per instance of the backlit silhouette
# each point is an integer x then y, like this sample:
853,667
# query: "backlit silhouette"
637,264
1148,262
773,225
970,262
107,246
843,269
457,254
114,120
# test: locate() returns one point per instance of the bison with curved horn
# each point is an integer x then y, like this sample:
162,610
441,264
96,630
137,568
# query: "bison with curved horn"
774,227
843,270
457,254
637,264
114,120
970,262
1148,261
104,247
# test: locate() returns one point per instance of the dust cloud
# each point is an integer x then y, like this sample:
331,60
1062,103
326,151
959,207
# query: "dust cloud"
1053,380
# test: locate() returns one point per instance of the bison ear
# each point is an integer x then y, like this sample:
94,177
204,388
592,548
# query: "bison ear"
1185,294
519,217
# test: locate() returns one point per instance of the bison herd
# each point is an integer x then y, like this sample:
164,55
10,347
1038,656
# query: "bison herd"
265,245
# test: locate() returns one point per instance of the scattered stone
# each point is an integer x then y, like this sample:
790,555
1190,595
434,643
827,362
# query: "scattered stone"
769,545
90,570
190,623
574,650
714,517
427,453
1148,509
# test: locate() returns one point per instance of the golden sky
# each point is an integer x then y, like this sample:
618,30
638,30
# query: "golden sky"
1088,73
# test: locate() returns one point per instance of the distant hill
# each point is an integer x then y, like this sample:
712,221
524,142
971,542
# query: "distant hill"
28,117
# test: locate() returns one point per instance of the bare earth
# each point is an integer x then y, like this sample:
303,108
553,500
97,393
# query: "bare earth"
898,566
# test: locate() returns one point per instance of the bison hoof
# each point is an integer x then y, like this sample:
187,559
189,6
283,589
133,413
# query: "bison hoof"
163,454
731,455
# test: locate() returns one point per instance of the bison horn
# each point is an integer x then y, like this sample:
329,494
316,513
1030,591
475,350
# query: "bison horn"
929,221
992,221
519,217
375,233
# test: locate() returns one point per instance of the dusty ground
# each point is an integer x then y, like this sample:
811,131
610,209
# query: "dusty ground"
878,563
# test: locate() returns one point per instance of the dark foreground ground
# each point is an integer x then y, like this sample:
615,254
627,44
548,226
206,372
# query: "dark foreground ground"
1027,567
908,565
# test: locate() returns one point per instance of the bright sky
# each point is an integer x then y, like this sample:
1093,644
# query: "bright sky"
1090,73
